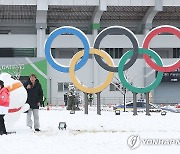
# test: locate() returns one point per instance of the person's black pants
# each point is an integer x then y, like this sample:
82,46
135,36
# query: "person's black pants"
2,125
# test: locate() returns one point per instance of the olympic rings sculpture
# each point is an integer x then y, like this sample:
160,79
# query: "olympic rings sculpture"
109,65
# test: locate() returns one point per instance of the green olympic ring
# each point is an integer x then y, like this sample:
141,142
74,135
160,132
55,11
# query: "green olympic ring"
130,87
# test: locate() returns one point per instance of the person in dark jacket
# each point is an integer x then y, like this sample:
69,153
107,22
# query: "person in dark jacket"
65,98
35,95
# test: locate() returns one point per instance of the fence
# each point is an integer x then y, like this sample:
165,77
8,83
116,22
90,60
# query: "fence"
166,101
55,101
106,101
112,100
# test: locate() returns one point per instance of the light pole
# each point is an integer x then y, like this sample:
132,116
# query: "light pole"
124,103
50,94
85,103
124,94
98,103
134,103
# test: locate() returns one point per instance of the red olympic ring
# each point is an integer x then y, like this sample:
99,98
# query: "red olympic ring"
151,34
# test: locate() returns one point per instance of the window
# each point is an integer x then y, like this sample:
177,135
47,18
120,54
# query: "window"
60,87
114,52
53,52
176,52
113,87
63,86
66,84
18,52
65,53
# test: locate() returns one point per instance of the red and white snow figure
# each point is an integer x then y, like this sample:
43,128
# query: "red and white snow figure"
4,99
18,96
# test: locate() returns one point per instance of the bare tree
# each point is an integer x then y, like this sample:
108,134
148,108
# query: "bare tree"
117,83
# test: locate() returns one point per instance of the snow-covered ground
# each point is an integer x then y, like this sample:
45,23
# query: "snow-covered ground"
94,134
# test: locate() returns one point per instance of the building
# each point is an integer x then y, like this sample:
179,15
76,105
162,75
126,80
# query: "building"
25,25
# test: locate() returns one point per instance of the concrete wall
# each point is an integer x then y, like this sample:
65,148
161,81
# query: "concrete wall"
91,74
71,41
167,92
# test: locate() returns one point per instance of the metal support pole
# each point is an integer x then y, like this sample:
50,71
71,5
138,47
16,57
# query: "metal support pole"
50,91
134,104
124,103
98,104
147,104
85,103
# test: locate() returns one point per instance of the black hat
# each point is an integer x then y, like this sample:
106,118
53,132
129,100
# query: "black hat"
1,83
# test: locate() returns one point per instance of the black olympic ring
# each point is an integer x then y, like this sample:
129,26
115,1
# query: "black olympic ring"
116,30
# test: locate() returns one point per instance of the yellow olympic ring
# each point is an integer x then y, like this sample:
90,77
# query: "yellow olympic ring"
83,88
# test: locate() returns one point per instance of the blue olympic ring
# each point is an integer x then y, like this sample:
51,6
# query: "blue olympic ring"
60,31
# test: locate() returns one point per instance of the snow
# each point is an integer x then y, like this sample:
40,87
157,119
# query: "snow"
99,134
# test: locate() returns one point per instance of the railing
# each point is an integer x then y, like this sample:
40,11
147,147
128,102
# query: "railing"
108,101
112,100
55,101
166,101
104,101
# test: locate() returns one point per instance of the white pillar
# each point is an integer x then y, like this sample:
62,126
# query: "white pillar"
41,25
41,37
95,65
